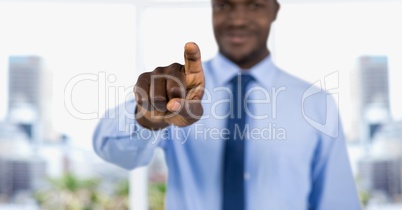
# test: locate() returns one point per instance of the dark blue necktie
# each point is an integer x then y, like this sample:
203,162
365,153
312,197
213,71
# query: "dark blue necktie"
233,158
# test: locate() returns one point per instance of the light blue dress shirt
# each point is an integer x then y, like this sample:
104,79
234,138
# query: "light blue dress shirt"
296,156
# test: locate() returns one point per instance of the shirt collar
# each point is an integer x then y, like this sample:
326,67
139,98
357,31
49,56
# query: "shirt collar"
224,70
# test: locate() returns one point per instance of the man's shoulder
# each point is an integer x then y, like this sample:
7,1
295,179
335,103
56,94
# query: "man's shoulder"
302,89
292,81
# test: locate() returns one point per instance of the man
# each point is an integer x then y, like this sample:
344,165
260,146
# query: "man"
238,133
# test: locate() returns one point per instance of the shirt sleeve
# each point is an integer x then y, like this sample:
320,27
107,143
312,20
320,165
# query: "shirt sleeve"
120,140
333,185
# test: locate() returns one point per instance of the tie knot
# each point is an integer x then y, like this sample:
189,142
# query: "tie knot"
242,80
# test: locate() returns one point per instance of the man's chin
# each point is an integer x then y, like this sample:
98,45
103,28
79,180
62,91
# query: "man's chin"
237,58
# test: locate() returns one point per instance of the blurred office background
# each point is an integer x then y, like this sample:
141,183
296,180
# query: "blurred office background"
64,62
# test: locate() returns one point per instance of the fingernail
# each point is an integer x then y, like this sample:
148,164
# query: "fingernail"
176,106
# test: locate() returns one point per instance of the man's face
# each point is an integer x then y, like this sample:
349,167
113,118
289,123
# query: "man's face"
241,28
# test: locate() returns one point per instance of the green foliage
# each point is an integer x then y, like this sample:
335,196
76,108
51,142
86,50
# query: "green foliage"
71,193
364,197
72,184
122,188
364,194
156,196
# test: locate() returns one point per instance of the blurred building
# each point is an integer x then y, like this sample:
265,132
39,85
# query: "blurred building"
13,141
370,91
381,172
388,141
382,176
373,72
21,171
21,175
30,96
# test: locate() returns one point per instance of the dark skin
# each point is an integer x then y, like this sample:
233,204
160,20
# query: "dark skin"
172,94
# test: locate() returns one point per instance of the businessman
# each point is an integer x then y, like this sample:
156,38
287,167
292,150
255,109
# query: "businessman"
238,133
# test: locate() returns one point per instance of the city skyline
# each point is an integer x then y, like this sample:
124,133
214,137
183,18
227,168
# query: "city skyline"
30,96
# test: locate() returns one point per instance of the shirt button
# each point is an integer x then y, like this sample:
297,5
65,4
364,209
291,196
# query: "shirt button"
246,176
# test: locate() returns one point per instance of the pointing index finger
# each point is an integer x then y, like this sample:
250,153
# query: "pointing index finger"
192,58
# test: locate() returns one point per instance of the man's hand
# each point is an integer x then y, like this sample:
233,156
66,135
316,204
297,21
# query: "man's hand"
171,94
